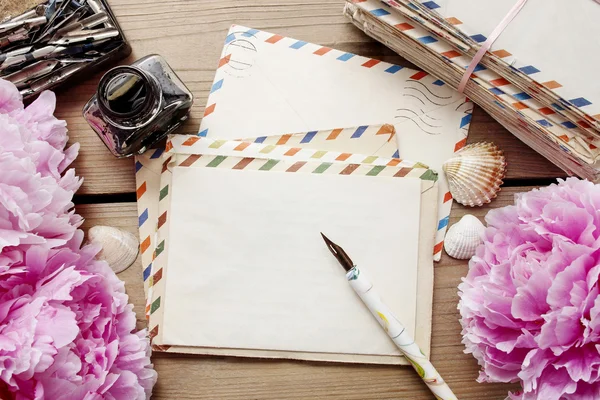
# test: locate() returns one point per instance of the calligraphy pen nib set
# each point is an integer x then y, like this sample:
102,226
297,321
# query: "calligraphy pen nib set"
58,40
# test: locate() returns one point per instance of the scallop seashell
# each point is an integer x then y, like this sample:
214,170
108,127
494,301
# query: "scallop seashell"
463,237
119,248
475,173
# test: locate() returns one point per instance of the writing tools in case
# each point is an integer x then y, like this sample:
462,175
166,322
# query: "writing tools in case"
57,42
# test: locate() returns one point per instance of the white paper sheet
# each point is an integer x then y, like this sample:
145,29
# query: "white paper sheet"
261,262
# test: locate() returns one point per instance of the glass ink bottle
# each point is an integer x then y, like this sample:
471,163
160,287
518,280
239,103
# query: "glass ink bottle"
137,106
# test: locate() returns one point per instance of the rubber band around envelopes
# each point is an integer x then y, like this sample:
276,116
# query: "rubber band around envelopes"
489,41
379,167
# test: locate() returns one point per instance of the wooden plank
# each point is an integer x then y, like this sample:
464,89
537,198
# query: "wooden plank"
522,161
190,34
189,377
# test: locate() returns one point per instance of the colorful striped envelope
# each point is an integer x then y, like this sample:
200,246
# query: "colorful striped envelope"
298,162
374,141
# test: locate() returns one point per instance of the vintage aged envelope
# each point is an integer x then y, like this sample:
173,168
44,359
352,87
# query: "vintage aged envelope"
249,264
267,84
425,271
376,140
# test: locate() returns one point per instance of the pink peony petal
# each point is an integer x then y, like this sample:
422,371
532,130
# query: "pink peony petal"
529,304
580,362
10,98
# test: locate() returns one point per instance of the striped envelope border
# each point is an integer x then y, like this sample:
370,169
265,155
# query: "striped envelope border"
156,284
375,140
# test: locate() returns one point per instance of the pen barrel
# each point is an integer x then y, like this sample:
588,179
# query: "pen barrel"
397,332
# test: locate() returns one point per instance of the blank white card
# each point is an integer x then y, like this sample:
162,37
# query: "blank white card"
248,269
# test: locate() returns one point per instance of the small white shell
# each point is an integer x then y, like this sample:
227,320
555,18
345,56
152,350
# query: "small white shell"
119,248
475,174
463,237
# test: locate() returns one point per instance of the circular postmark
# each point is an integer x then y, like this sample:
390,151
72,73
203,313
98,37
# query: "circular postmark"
241,54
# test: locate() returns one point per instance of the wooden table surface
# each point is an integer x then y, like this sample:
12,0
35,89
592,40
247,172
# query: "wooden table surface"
190,34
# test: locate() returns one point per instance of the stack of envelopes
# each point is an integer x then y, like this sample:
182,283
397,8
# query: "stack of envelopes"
537,79
230,218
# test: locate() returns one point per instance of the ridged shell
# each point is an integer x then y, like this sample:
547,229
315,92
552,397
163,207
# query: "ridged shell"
119,248
475,173
463,237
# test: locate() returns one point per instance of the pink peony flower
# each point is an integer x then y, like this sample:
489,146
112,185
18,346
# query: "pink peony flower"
530,304
66,328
